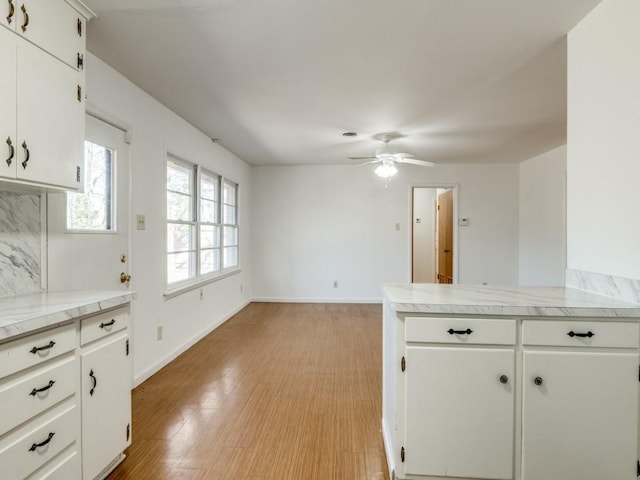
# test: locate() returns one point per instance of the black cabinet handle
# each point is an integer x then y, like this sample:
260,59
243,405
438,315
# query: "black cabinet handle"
12,11
43,443
589,334
95,382
35,350
504,379
26,155
26,18
108,324
11,152
538,381
43,389
468,331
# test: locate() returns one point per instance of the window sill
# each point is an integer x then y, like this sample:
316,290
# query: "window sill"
169,294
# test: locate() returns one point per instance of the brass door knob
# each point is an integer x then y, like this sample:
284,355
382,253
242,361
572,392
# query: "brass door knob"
124,278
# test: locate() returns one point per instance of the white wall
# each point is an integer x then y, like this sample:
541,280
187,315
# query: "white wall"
313,225
156,129
542,219
603,159
424,235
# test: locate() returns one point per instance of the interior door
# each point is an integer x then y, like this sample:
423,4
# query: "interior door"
445,237
93,258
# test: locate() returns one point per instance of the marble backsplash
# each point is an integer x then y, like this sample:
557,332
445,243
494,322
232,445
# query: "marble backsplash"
626,289
20,244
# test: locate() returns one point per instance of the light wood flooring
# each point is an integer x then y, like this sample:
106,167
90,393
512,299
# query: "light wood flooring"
280,391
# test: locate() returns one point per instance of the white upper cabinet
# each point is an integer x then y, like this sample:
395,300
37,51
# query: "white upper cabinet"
50,120
42,119
54,26
8,140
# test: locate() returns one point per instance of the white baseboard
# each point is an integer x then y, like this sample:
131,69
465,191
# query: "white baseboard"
185,346
315,300
388,450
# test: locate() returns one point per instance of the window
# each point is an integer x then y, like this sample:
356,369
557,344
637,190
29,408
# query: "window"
230,225
93,209
181,222
202,224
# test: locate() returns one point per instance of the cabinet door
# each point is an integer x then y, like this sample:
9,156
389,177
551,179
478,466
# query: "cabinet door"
459,416
581,422
50,119
8,139
53,26
106,404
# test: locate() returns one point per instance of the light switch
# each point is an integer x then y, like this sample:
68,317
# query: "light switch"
140,222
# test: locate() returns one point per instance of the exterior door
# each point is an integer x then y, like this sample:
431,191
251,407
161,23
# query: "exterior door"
88,233
445,237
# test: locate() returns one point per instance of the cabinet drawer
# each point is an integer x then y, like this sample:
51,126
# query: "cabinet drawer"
56,381
460,330
66,467
103,324
567,333
20,454
34,349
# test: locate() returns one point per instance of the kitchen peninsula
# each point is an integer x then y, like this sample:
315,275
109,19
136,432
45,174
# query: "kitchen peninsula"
518,383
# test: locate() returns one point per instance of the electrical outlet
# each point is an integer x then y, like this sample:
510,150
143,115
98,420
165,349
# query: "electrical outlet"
335,284
201,293
241,288
398,227
160,332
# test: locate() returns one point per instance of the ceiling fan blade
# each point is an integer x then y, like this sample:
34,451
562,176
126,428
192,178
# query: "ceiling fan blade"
361,158
415,161
369,163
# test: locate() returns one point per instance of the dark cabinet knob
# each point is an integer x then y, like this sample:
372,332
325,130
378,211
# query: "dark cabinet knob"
504,379
538,381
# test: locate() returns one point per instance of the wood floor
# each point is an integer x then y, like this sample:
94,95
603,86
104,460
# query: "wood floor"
280,391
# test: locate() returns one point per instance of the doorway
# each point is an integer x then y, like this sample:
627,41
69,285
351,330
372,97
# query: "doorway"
88,232
433,251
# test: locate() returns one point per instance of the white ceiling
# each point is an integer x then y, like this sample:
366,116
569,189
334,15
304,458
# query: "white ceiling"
278,81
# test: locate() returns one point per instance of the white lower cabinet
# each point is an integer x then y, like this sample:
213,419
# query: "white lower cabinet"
580,416
511,399
65,399
446,434
106,403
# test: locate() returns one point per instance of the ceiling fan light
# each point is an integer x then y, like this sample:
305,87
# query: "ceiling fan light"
386,170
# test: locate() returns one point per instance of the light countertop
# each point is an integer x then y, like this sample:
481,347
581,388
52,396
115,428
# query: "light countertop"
504,300
27,313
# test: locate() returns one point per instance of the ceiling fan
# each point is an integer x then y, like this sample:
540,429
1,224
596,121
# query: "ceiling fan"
388,158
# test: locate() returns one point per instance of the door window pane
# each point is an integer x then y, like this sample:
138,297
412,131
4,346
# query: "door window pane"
93,209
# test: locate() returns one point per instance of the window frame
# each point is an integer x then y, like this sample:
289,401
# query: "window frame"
199,279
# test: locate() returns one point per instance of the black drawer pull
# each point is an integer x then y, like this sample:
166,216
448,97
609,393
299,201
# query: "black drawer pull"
43,389
468,331
35,350
108,324
589,334
43,443
12,11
